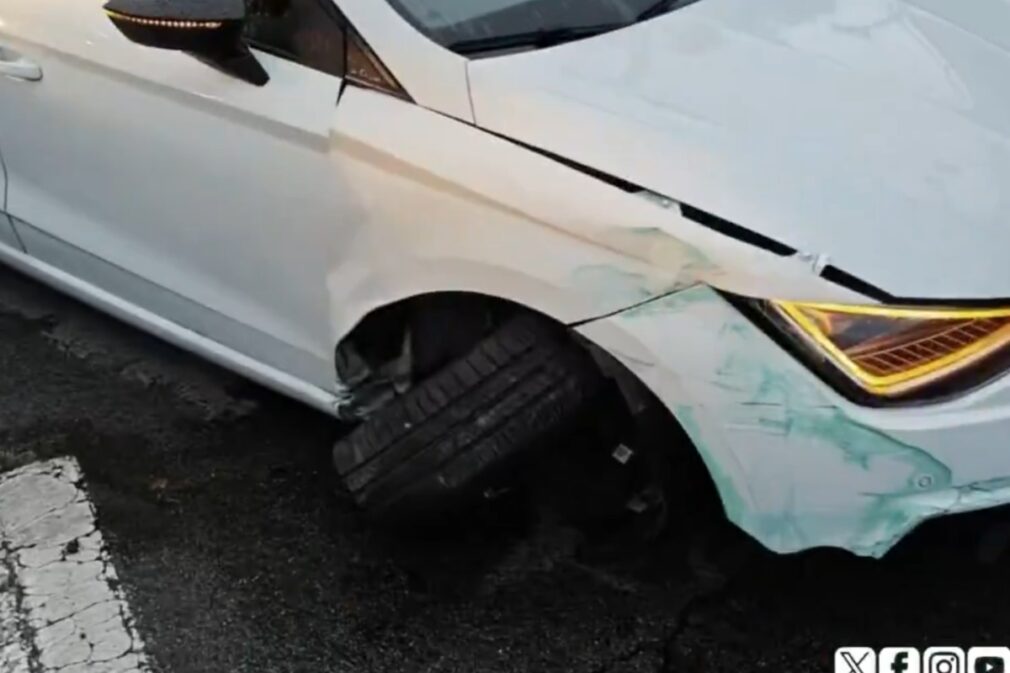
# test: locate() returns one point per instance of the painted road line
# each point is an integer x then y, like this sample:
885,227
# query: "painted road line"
61,609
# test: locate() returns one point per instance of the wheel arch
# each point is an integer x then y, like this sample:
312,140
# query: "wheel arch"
618,352
566,298
694,418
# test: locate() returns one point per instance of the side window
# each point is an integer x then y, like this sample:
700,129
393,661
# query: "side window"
308,32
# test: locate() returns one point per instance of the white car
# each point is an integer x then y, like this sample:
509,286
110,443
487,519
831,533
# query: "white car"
785,220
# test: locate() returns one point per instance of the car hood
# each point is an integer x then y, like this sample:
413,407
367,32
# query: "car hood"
874,132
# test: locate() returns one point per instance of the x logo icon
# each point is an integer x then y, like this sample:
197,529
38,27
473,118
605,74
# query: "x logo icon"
855,660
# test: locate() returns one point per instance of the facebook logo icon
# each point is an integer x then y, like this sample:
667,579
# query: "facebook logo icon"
900,660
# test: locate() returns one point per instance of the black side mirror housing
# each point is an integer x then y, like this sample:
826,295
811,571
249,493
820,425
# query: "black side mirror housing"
210,30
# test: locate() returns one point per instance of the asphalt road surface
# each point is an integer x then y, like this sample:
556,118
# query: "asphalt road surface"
226,545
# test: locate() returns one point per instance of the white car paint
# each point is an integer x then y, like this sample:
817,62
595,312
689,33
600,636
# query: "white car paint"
818,123
258,226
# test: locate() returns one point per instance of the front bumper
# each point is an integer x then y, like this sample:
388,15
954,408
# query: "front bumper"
796,464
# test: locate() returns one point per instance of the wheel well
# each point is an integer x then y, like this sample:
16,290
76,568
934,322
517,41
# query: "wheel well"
437,328
656,432
401,343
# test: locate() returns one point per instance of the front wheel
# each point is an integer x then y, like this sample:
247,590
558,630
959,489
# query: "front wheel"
464,429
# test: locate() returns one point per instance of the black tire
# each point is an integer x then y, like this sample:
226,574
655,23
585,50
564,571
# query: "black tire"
469,425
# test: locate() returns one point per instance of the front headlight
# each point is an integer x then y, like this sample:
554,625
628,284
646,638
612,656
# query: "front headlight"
899,352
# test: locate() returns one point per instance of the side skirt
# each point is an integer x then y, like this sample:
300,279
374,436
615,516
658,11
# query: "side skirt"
169,331
7,235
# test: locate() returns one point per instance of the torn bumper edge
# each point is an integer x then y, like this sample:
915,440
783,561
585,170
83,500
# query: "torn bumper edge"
796,465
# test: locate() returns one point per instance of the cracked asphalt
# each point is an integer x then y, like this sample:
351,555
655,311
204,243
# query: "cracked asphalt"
236,551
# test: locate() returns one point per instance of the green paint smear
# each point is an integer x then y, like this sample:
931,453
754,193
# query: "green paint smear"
793,407
788,404
647,231
671,303
694,257
735,506
889,515
613,285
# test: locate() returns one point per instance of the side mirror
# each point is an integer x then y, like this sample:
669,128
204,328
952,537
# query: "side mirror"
210,30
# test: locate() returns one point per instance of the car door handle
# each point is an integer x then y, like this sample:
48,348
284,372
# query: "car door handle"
16,66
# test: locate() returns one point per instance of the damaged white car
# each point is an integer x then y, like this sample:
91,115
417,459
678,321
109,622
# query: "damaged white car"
468,222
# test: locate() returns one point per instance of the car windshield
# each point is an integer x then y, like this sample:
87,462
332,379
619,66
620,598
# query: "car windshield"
485,26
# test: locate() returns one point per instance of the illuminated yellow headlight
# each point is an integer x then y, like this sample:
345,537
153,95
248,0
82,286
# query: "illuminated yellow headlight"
891,352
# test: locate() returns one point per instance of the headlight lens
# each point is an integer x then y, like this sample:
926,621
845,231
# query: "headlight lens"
897,352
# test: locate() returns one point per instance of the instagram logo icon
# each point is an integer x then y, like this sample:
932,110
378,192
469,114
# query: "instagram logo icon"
944,660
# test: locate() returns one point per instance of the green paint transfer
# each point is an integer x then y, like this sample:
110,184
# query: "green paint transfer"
791,407
735,506
612,285
646,231
918,508
693,257
988,486
875,488
611,281
671,303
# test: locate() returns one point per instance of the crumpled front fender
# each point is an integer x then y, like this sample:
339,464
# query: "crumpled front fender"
796,465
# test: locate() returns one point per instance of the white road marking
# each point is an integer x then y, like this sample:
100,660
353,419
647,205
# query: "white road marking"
61,609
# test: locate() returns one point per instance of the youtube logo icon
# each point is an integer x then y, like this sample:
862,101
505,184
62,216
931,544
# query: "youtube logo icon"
990,665
989,660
